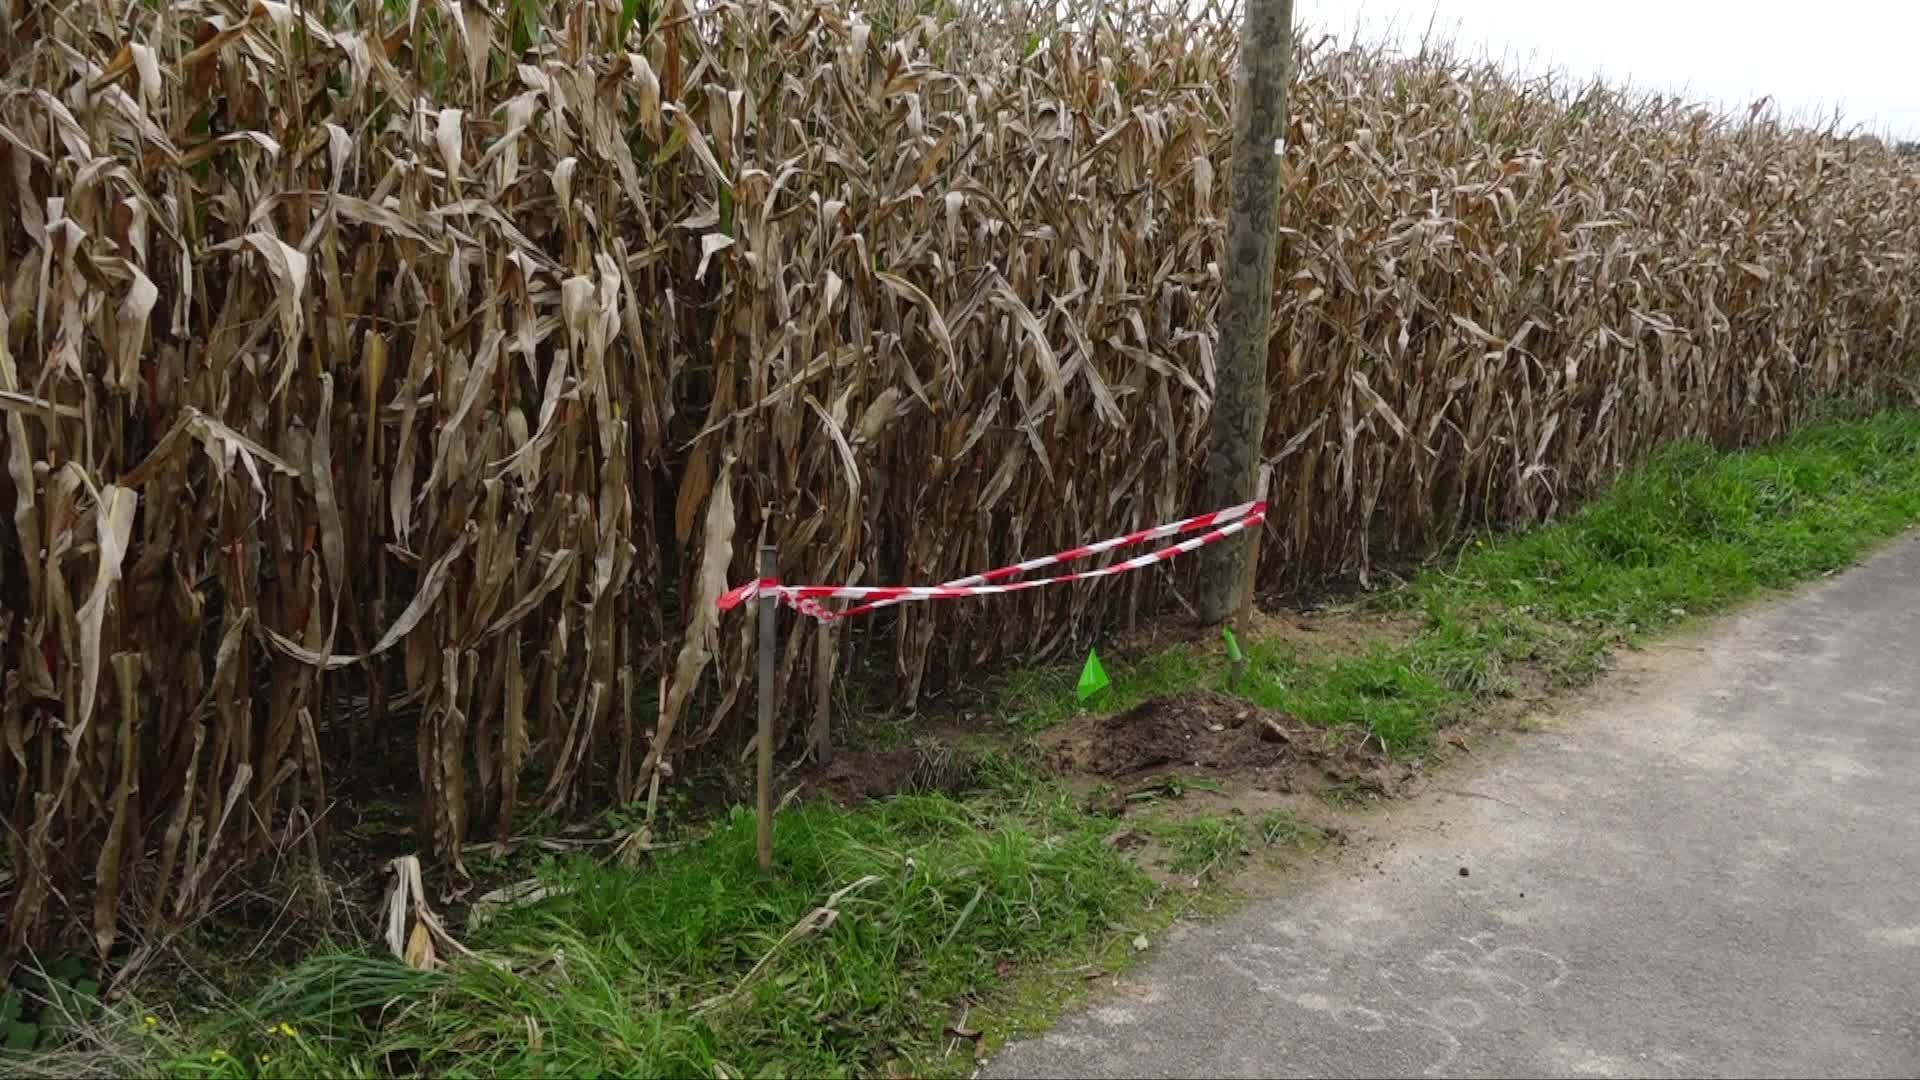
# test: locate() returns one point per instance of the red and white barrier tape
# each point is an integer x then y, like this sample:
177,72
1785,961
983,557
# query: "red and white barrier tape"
805,598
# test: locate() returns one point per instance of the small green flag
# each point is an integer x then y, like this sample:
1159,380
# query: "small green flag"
1233,646
1093,677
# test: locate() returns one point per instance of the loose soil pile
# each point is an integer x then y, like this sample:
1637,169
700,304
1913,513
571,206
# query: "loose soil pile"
1200,733
1212,734
1197,730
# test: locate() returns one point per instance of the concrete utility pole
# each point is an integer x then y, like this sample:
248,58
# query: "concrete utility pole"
1246,306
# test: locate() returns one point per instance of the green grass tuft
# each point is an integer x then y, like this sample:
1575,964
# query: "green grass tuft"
1201,845
1689,534
1347,795
612,977
1379,692
1285,829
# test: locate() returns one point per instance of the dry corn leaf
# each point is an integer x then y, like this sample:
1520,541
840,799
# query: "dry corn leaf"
941,314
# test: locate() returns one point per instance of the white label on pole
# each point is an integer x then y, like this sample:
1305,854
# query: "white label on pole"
1280,147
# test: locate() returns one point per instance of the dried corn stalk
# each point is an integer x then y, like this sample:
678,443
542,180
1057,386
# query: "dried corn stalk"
375,368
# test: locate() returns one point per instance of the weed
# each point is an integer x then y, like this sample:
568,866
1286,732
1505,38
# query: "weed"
1284,829
1347,795
647,972
1174,786
1380,692
1007,770
1201,845
1688,534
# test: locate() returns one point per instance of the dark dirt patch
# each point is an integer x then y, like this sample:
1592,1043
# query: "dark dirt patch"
930,765
1200,733
857,776
1216,735
1196,730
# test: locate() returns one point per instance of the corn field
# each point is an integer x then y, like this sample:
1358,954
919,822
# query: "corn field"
430,366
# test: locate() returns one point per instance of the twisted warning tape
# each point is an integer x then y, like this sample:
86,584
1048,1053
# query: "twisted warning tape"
1219,524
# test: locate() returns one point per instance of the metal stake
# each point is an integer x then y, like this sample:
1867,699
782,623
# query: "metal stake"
769,608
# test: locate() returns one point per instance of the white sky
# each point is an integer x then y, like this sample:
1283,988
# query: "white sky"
1860,55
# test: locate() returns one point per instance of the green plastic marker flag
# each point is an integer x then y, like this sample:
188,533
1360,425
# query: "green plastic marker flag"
1093,677
1239,659
1233,646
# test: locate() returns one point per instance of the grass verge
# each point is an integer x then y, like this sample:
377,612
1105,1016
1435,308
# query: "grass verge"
874,922
1688,534
880,919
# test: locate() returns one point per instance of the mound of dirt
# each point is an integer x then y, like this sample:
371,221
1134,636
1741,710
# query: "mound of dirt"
1209,732
1197,732
855,777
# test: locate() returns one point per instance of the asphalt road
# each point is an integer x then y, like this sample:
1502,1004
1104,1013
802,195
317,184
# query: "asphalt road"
1710,865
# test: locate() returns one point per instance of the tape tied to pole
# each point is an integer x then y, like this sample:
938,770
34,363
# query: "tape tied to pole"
1211,529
